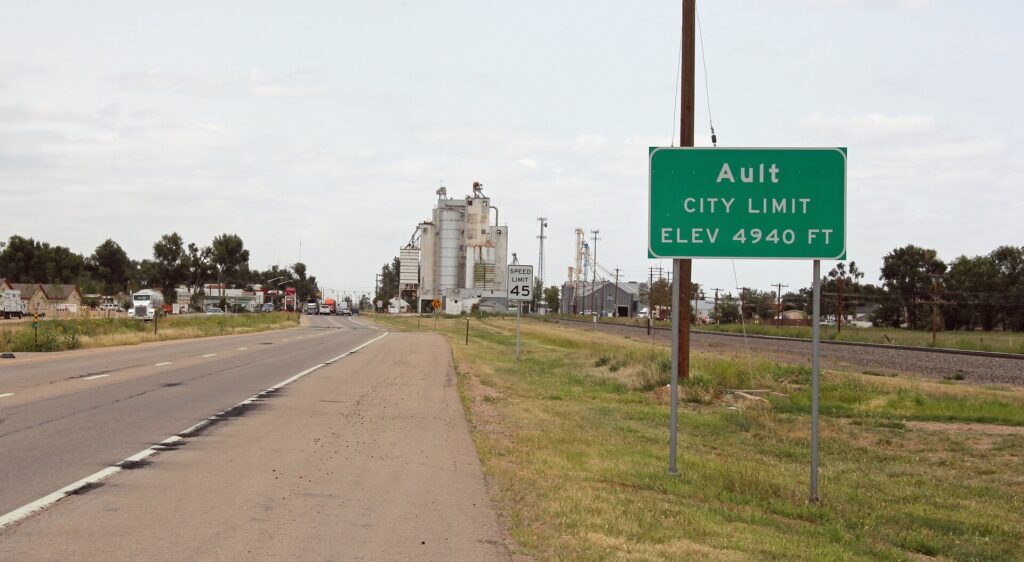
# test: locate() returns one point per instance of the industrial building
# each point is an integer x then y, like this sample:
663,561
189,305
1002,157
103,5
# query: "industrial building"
605,298
459,257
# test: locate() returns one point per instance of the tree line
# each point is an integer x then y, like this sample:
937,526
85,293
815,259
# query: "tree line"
109,270
970,292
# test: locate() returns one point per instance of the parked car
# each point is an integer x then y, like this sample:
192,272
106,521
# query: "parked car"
267,307
214,310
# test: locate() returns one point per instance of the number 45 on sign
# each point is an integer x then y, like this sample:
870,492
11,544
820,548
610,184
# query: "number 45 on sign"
520,282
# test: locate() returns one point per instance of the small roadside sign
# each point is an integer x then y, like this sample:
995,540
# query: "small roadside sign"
520,282
436,304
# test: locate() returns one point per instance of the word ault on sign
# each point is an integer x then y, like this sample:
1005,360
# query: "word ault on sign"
520,282
747,203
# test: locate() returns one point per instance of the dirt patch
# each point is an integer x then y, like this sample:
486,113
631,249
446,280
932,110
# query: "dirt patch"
484,415
967,428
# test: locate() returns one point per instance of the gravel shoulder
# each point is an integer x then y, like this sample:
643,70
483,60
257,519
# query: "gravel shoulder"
368,458
966,368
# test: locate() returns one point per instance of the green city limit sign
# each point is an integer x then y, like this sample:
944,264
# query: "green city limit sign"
787,203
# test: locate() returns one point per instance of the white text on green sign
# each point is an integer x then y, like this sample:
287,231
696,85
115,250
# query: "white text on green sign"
747,203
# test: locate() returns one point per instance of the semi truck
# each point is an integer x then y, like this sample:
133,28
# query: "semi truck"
146,303
11,305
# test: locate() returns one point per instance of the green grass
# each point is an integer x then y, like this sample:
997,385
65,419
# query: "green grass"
1004,342
575,437
62,335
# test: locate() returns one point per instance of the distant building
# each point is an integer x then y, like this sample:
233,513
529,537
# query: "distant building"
397,306
604,298
462,255
50,300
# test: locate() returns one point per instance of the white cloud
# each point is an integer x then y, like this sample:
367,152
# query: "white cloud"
868,124
902,4
256,83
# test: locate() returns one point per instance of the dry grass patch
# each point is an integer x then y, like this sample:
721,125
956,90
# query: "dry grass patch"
576,441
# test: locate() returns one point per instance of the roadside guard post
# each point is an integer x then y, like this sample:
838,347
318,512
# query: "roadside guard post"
520,288
750,203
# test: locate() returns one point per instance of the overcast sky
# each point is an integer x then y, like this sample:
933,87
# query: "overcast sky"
334,122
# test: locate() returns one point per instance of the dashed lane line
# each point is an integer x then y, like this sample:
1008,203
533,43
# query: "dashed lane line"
50,499
94,377
209,355
162,364
6,395
242,349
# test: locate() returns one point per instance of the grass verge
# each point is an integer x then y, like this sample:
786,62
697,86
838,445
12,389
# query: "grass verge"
62,335
575,436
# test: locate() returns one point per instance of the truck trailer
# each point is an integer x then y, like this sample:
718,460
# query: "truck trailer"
11,305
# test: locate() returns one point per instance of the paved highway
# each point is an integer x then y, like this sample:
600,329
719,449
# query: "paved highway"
65,416
364,455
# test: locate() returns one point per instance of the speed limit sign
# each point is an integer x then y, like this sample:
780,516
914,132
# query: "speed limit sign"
520,282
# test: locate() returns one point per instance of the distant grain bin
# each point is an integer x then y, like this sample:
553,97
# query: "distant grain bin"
463,256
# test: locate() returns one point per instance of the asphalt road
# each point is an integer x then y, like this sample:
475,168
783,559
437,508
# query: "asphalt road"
368,457
65,416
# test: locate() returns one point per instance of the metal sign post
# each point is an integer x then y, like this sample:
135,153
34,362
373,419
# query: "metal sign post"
519,310
815,370
520,288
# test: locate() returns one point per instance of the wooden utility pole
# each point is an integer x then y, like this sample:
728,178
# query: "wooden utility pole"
935,305
682,269
839,304
615,311
778,304
650,300
718,318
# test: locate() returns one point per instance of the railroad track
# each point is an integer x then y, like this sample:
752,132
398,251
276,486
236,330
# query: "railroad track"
967,352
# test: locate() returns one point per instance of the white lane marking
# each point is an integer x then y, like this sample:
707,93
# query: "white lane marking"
6,395
286,339
242,349
162,364
50,499
94,377
209,355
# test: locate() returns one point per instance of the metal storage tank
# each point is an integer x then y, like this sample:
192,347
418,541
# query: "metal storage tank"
449,232
428,261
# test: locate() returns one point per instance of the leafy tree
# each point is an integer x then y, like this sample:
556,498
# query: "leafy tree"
971,290
110,266
28,261
551,297
305,286
728,310
842,287
230,257
643,292
171,267
538,293
661,294
906,272
1010,262
757,304
388,288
